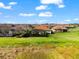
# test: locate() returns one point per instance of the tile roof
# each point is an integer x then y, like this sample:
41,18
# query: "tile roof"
59,27
42,27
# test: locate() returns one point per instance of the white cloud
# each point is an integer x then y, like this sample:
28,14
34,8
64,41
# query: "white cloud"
59,3
26,14
68,20
2,5
45,14
61,6
76,19
41,7
12,3
7,7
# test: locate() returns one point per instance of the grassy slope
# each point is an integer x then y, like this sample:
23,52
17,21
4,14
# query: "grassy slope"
58,38
57,46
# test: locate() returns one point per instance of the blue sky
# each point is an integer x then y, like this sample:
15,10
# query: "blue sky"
39,11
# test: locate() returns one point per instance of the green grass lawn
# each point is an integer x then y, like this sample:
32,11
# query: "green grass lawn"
71,37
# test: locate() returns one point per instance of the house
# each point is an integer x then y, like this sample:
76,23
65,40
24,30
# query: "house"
59,28
4,30
71,26
11,29
38,33
43,28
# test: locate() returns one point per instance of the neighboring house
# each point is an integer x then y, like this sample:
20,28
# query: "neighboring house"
71,26
37,30
42,28
38,33
10,29
59,29
4,29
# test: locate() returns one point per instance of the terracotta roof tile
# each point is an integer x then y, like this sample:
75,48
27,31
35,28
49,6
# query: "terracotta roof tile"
42,27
